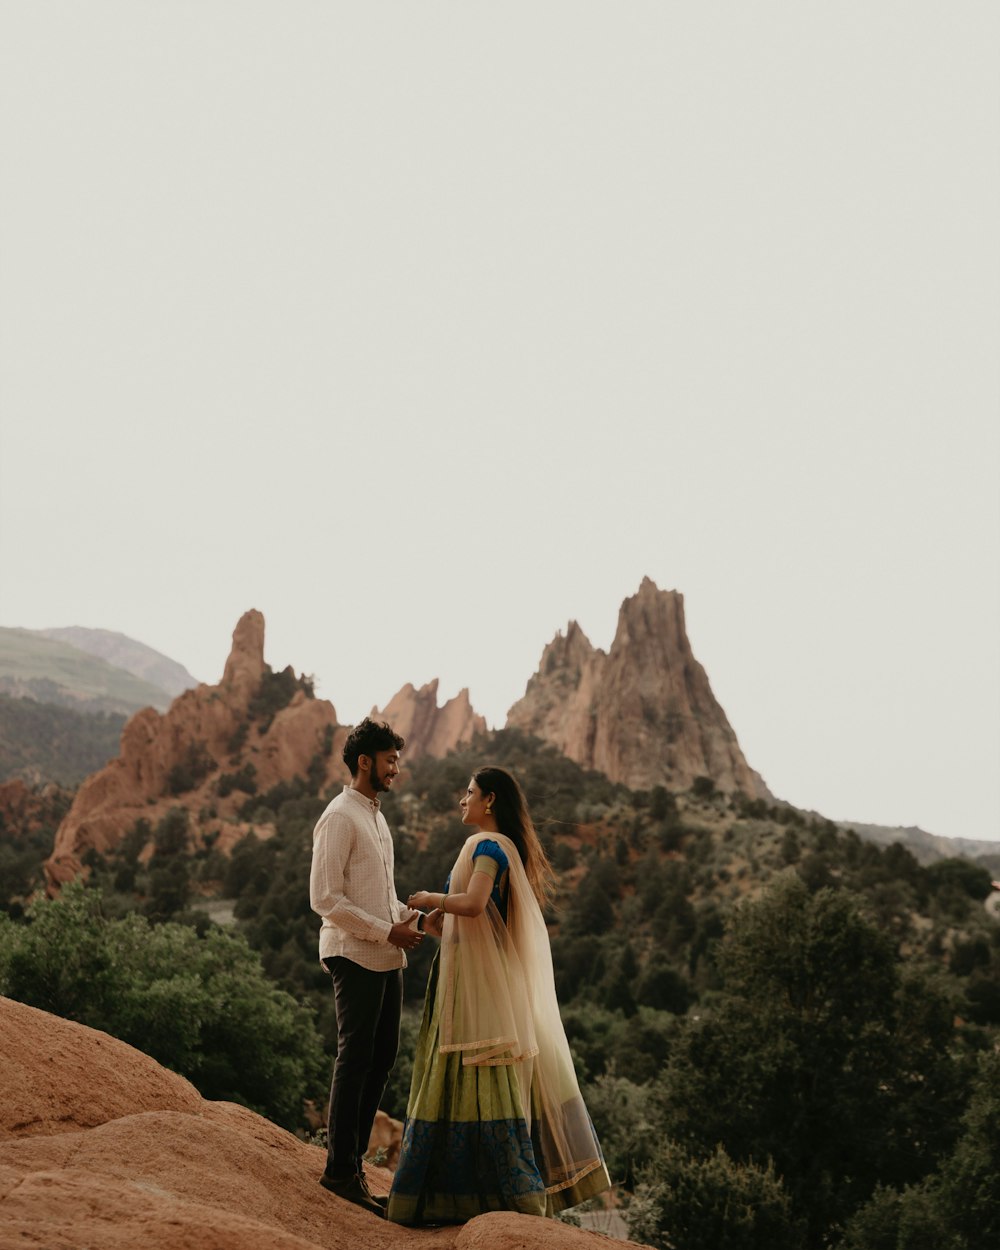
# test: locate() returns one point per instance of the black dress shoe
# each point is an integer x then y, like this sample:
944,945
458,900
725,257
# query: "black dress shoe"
353,1189
382,1201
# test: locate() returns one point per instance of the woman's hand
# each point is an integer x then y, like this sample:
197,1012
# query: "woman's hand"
434,923
422,899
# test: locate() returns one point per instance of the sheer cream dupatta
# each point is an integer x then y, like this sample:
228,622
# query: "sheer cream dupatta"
486,1012
500,1007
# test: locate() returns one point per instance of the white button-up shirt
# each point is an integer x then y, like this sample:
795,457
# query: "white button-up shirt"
351,884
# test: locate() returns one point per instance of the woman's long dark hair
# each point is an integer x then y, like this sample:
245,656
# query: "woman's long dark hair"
510,811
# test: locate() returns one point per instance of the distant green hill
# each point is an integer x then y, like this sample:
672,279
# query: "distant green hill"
51,671
124,652
42,742
927,847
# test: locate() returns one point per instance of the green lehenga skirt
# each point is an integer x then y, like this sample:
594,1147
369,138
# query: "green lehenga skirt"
467,1147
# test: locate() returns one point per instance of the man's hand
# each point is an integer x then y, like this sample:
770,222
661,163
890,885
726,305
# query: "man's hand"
404,936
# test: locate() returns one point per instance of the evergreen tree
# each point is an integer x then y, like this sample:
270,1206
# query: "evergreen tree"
799,1061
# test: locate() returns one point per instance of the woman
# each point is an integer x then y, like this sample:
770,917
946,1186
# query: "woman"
495,1120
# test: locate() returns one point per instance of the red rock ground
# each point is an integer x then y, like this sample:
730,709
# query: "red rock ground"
103,1149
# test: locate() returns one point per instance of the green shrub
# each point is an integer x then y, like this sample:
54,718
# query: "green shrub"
894,1221
170,836
199,1005
245,779
957,1208
191,769
619,1109
276,691
688,1203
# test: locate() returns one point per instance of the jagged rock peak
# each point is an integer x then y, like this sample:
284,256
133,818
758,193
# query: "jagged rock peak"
654,617
245,665
427,728
644,712
573,648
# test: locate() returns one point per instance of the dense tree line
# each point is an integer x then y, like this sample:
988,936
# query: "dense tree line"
62,744
26,840
786,1035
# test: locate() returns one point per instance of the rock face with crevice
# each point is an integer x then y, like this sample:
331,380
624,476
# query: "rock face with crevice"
427,728
643,713
101,1147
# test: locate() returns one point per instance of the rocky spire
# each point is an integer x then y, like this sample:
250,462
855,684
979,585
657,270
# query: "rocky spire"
642,713
427,728
183,757
245,665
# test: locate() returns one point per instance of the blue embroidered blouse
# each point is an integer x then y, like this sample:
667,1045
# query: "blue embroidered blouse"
493,850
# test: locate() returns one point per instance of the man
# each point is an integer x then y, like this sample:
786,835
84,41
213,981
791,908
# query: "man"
364,933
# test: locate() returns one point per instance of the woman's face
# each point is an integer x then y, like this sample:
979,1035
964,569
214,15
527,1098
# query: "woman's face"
473,805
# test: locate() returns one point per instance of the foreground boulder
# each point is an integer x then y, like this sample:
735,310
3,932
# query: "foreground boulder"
101,1147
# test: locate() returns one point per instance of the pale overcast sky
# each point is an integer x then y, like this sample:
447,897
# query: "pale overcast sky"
425,328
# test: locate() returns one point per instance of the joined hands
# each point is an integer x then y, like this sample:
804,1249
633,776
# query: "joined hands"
405,936
423,898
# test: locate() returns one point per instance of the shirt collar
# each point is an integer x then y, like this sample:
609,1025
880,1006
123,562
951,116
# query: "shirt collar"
373,805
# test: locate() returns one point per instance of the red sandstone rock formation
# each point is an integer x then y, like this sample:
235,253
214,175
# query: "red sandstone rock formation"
427,728
101,1147
644,712
387,1136
219,723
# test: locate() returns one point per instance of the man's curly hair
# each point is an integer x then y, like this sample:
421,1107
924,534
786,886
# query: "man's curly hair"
368,738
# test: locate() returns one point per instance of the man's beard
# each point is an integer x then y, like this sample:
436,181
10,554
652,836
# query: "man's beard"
376,781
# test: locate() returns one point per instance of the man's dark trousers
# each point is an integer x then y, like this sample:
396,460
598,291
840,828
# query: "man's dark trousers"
369,1005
